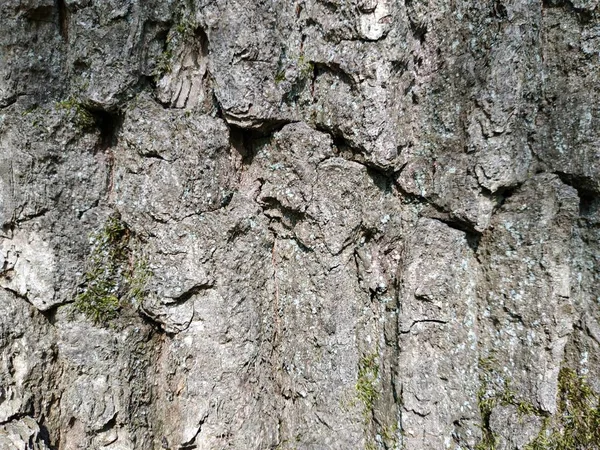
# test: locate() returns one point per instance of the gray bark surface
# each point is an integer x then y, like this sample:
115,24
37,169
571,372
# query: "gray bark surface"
299,224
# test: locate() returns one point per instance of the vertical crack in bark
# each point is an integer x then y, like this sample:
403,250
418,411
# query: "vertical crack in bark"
63,19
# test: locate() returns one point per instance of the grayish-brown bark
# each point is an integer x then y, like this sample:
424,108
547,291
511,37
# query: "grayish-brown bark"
299,224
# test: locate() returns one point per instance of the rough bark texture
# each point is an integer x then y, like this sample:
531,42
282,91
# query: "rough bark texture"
299,224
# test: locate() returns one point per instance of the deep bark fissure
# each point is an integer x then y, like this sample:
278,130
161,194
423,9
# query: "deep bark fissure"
63,19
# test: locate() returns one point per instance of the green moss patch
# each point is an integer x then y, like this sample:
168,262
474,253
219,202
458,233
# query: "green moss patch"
576,424
366,384
77,114
112,279
495,390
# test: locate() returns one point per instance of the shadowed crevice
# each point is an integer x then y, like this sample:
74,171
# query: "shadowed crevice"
63,19
583,15
589,199
108,123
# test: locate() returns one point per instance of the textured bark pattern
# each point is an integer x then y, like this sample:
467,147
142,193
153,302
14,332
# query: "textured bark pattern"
344,224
